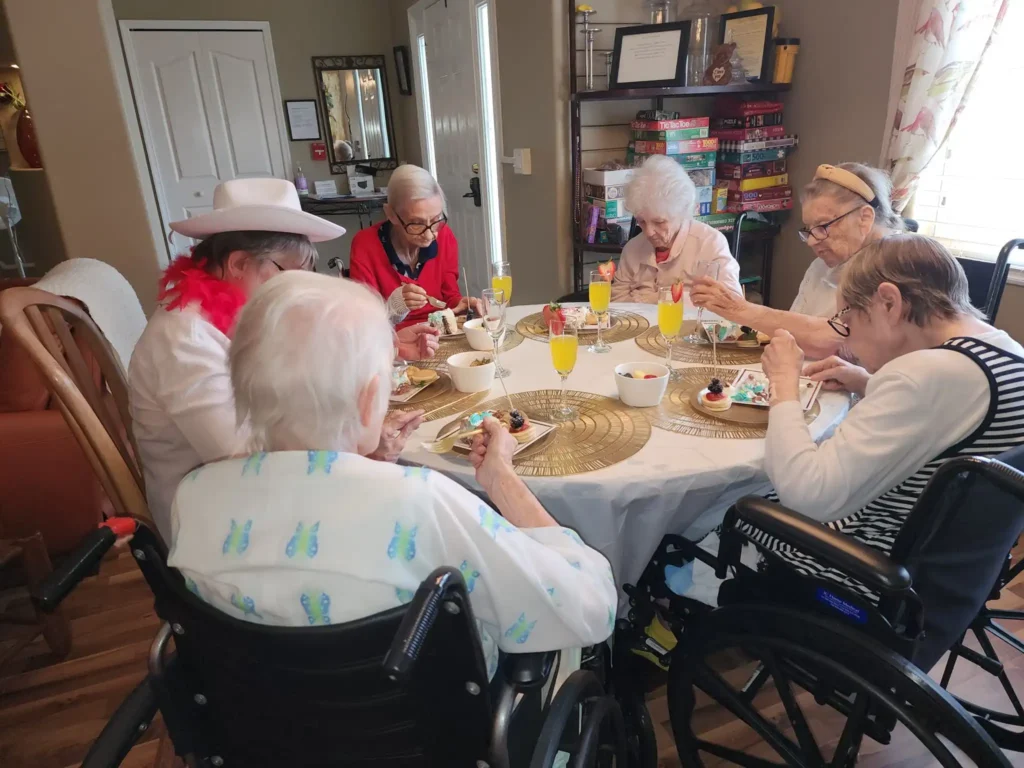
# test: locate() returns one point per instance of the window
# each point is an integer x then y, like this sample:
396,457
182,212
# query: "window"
969,196
492,171
428,118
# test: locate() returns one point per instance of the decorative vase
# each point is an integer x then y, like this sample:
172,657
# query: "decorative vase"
27,140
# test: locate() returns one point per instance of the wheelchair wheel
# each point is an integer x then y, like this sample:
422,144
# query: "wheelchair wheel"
801,690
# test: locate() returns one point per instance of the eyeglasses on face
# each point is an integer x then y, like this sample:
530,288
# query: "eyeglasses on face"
416,229
304,267
838,325
820,232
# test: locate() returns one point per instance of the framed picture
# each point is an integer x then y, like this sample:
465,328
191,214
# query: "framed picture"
403,70
303,124
650,56
751,31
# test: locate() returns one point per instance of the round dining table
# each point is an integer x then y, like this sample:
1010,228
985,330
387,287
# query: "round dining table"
675,484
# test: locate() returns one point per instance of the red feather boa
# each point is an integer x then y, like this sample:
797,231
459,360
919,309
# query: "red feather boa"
186,282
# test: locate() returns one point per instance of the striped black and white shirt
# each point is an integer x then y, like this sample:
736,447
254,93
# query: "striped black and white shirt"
931,406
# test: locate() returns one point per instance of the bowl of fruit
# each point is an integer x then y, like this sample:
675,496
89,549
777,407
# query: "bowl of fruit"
641,385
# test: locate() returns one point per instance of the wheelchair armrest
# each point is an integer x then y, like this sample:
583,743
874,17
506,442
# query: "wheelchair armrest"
528,670
81,563
124,729
837,550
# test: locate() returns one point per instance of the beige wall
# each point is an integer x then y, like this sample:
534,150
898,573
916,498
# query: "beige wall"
533,70
837,105
83,138
300,30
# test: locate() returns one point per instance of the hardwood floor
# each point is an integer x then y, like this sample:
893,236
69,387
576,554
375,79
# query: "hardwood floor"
51,711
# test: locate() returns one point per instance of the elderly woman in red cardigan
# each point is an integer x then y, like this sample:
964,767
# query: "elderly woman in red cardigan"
413,255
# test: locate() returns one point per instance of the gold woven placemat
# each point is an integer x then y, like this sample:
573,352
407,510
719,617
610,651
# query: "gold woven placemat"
652,341
624,325
448,347
439,400
677,412
605,433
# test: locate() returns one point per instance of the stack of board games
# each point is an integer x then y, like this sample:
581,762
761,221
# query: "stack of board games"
605,218
753,145
686,141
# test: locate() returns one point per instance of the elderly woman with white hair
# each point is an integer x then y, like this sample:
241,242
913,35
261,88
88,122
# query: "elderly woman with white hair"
662,197
412,255
308,531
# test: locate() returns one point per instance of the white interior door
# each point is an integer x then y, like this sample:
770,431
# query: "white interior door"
207,111
457,102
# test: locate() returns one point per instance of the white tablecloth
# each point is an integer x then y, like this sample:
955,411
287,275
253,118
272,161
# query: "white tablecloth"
674,484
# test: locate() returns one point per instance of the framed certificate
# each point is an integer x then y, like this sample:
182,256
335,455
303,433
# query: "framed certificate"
302,120
650,56
752,33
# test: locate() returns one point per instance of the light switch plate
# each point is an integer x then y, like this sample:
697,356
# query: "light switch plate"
522,162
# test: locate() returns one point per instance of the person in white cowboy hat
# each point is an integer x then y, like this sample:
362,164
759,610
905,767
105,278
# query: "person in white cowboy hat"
182,407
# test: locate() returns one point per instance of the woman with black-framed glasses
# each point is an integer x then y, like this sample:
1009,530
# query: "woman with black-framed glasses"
412,256
844,208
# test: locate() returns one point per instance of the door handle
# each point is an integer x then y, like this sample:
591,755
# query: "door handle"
474,191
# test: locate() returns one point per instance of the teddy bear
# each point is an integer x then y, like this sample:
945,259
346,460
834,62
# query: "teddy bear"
720,71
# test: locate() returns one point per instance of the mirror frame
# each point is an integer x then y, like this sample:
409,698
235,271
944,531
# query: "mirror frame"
327,63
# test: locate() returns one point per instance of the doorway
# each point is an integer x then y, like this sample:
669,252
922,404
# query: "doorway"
206,95
455,67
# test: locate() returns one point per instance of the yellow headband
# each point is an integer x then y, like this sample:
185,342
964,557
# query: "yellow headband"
847,180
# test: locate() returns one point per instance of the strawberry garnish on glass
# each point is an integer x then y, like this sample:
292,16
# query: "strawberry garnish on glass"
677,291
607,269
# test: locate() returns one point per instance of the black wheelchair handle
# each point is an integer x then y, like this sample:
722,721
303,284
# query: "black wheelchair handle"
79,564
835,549
419,618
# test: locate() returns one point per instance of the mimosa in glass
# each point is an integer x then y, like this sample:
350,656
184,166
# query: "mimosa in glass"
670,321
564,343
501,280
600,298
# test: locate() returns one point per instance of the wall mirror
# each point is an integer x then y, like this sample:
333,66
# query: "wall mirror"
357,112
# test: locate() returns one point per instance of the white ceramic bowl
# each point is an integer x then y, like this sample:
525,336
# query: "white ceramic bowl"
477,337
641,393
467,379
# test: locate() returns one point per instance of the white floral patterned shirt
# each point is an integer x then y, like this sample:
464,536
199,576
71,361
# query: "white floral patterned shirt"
303,538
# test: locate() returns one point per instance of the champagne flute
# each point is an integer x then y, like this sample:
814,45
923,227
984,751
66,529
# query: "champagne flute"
501,280
494,305
670,321
600,297
704,269
564,343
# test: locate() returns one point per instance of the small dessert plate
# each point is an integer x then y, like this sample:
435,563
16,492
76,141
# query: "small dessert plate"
414,389
751,388
541,429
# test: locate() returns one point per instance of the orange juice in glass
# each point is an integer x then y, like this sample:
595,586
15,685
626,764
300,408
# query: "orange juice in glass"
600,298
501,280
670,321
564,343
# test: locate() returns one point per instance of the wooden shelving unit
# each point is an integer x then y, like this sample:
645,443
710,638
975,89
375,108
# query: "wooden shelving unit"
761,236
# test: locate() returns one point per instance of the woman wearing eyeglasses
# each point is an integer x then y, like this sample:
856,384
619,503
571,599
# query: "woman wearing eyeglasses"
937,382
412,255
844,208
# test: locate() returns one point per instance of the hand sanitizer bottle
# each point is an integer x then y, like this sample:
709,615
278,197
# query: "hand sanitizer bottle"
301,186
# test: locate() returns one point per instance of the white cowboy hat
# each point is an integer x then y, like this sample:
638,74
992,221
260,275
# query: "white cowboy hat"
266,205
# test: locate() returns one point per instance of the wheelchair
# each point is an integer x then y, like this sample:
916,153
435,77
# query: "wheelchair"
407,687
820,672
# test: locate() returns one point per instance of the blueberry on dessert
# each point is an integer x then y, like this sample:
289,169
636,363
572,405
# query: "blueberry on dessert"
716,397
520,426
